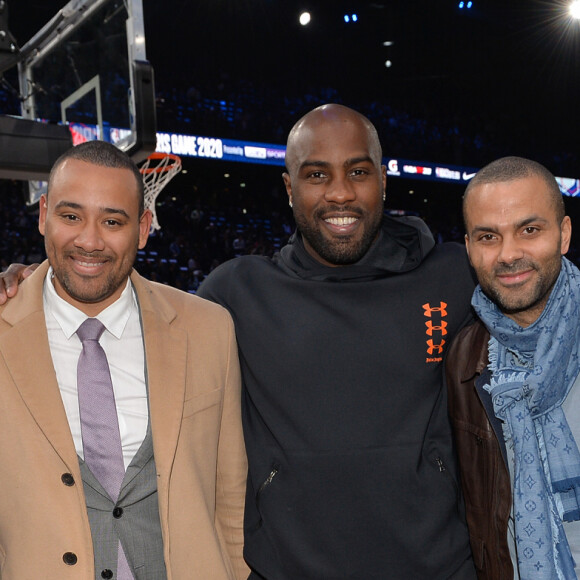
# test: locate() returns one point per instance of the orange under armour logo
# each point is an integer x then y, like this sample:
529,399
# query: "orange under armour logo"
429,310
435,347
431,327
436,329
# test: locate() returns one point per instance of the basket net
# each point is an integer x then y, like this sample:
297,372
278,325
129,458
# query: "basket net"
158,170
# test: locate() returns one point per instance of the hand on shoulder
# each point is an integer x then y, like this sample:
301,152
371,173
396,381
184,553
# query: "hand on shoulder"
10,279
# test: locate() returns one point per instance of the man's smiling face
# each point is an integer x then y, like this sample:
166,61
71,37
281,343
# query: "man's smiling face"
92,229
335,183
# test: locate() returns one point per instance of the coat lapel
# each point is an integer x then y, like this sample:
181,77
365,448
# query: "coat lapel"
165,348
26,352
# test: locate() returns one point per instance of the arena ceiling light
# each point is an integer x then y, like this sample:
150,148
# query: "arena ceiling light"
574,9
304,18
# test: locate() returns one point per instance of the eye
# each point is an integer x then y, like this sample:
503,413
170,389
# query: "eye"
531,230
69,217
112,222
487,238
359,172
316,177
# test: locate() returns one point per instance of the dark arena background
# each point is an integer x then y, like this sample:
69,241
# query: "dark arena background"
449,85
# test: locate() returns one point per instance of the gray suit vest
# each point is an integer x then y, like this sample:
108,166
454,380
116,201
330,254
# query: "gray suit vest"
133,519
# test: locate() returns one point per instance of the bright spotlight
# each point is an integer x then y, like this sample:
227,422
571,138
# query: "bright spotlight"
575,9
305,18
461,5
388,63
346,18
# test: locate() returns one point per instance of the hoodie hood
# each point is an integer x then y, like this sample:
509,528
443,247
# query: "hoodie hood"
402,245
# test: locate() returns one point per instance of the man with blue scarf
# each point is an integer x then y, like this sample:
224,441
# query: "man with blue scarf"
514,394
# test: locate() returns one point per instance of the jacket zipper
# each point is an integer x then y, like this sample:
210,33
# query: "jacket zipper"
443,469
262,487
267,481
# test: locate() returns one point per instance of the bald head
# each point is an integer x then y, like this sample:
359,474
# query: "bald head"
331,115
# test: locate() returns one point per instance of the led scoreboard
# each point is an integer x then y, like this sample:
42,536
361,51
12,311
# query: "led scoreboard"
270,154
215,148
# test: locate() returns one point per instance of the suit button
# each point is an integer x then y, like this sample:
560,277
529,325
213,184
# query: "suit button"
107,574
117,512
69,558
67,479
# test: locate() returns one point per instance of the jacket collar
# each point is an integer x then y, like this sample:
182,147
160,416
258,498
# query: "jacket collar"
402,244
475,363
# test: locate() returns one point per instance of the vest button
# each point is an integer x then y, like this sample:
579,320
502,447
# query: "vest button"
69,558
107,574
67,479
117,512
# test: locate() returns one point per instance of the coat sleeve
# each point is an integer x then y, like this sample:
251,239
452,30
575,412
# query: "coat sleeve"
232,465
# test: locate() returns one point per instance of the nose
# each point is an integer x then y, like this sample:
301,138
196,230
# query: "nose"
510,251
340,190
89,238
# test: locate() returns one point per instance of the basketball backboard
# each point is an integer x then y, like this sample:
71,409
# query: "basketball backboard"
87,68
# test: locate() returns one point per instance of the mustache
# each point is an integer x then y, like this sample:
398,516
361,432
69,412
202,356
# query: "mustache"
515,267
334,210
82,254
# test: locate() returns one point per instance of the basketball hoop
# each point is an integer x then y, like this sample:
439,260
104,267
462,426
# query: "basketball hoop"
158,170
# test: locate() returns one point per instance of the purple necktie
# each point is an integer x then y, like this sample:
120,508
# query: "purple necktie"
99,423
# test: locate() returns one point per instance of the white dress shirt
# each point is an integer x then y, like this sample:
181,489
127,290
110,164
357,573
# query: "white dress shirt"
122,342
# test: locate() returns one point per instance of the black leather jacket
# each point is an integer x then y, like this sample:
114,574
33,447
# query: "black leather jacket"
481,450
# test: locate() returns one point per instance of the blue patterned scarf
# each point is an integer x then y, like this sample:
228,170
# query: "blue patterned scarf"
533,370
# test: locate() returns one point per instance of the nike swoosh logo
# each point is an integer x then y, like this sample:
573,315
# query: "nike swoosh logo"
468,176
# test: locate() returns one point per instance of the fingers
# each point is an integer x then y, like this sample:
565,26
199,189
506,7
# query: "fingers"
7,288
10,279
27,271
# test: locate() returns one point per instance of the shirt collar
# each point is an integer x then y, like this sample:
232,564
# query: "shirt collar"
69,318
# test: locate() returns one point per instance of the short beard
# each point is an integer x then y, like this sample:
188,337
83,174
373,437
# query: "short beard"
94,293
108,288
342,251
542,290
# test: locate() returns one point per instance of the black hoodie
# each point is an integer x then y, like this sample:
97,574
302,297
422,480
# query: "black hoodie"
351,469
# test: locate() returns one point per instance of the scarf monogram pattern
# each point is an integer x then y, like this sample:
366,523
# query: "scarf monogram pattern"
533,369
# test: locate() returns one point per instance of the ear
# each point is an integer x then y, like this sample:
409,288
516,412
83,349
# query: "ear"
288,185
43,207
466,238
566,232
144,227
384,178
